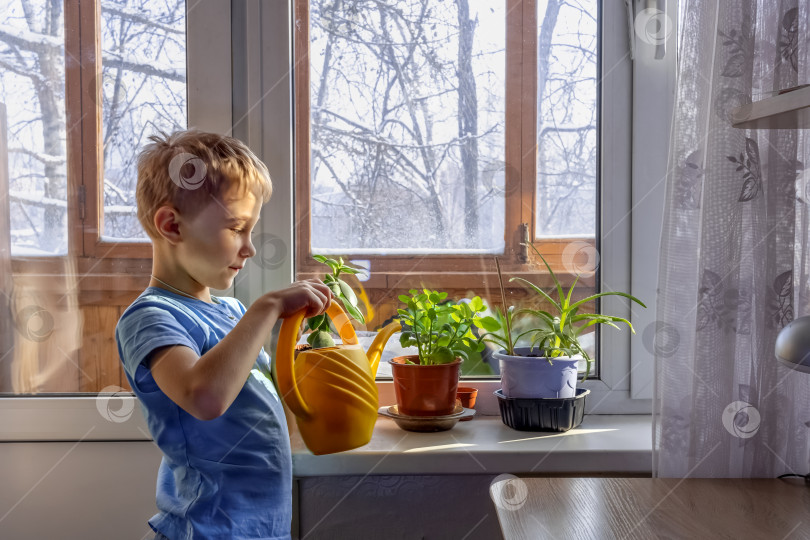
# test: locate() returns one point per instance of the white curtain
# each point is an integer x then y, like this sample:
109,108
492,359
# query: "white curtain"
735,250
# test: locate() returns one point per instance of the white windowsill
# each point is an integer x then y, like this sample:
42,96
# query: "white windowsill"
484,445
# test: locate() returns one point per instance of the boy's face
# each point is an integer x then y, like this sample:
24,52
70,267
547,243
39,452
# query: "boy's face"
216,242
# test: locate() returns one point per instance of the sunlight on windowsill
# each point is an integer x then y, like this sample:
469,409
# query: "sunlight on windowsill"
569,433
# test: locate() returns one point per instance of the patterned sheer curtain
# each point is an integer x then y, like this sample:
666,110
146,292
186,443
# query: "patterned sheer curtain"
735,250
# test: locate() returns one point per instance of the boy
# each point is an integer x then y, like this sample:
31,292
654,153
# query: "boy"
196,361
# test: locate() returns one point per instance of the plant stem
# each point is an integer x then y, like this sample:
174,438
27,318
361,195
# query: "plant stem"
511,346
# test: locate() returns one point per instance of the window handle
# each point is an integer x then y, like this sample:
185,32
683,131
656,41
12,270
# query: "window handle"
523,254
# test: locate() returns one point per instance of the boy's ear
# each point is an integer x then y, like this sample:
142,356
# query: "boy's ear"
167,223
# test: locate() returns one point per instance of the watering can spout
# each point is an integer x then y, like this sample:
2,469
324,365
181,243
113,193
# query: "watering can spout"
375,350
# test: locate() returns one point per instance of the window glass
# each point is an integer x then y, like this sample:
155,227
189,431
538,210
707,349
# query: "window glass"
407,126
143,91
567,120
32,87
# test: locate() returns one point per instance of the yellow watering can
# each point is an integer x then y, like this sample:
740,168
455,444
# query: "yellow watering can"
331,391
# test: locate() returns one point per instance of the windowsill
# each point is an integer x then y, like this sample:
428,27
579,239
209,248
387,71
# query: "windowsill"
601,444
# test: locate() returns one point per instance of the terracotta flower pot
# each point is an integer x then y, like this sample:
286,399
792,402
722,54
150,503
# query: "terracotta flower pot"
466,396
424,390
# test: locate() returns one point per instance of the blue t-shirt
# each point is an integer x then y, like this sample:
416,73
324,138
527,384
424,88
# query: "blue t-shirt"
230,477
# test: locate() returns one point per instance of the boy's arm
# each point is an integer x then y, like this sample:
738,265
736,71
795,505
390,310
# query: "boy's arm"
205,386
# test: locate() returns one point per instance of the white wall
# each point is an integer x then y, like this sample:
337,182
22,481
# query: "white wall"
85,490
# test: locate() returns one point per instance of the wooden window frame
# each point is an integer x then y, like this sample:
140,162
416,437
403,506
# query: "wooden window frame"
96,278
114,266
451,271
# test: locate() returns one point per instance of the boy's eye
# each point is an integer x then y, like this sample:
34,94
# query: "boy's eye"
238,231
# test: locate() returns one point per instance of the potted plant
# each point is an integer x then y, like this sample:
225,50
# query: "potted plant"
426,383
321,335
547,367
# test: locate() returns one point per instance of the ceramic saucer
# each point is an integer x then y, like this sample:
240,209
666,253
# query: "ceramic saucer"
426,423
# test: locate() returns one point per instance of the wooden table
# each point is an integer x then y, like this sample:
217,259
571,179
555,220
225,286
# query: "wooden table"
604,508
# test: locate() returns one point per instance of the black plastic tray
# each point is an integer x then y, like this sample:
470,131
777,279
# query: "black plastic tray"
542,414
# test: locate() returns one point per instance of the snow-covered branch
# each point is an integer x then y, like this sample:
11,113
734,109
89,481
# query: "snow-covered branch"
33,75
143,66
36,200
30,41
138,17
41,43
46,159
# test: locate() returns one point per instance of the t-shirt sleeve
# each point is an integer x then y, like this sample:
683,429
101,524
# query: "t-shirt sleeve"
150,325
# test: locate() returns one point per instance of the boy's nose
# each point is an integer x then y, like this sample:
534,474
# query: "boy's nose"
249,250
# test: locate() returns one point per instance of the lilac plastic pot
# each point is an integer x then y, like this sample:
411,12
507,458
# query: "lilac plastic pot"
535,377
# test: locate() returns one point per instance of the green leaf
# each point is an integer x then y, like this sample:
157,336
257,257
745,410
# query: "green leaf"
550,271
347,291
610,293
442,355
570,292
404,299
315,322
477,304
490,324
319,258
320,339
539,291
333,264
407,340
540,314
496,340
353,311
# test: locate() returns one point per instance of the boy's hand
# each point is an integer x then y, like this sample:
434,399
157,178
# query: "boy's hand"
311,295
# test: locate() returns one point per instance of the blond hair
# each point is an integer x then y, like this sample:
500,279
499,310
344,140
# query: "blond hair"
187,168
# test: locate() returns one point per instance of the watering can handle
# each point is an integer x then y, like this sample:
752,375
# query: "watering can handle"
285,371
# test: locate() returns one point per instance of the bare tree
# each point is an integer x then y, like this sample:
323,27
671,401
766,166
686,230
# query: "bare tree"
141,93
566,118
381,124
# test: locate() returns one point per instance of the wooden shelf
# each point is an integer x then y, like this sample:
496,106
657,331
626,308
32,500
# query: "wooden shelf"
786,111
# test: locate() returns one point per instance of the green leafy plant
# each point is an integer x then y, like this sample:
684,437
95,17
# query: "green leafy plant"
555,333
321,335
440,330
